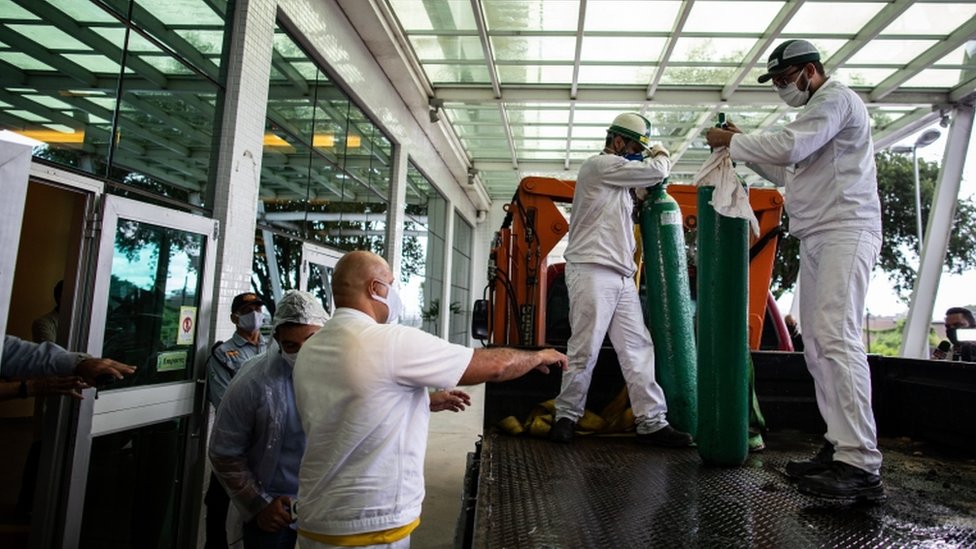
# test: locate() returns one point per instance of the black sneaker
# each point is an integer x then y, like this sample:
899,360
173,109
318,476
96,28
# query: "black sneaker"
668,437
817,464
562,430
843,481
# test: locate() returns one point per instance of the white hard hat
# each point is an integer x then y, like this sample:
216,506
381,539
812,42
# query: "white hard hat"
632,126
299,308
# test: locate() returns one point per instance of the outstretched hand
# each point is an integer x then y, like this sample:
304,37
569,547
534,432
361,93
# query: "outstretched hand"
92,368
455,401
551,357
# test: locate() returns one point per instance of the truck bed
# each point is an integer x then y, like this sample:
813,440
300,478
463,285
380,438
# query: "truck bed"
609,492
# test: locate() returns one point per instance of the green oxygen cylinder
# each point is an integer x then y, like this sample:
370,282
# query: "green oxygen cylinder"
670,316
723,345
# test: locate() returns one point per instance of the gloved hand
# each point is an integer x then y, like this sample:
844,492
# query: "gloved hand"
641,193
658,150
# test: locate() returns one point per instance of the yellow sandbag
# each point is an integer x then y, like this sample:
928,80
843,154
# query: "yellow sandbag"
591,422
540,426
511,425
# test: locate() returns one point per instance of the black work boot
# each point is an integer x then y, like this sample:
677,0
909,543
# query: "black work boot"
843,481
562,430
668,437
816,464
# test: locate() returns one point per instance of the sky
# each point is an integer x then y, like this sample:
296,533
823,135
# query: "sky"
954,290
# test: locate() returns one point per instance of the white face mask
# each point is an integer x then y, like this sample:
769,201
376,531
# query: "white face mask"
792,95
290,358
392,302
251,321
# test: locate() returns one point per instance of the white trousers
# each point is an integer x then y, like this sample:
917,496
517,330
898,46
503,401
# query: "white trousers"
601,301
835,267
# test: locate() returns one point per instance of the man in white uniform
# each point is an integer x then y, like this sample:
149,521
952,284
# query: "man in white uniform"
361,390
600,278
825,159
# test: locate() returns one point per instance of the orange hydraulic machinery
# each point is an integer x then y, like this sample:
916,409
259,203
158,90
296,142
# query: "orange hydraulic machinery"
533,226
518,261
767,204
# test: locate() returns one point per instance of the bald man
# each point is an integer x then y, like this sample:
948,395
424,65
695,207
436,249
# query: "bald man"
361,390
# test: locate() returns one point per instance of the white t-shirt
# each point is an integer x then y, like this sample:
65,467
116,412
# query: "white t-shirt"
361,391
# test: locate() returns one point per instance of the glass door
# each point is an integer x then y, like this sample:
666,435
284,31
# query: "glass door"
138,444
318,264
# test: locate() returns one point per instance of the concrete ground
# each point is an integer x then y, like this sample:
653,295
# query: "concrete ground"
452,437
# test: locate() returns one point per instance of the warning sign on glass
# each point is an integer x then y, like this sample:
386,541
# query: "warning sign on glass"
187,327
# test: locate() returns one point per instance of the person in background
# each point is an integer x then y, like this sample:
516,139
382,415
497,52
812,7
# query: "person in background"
257,441
825,160
45,328
600,271
361,390
958,318
226,358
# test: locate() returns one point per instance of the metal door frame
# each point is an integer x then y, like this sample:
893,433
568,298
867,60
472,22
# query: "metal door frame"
59,419
133,407
319,255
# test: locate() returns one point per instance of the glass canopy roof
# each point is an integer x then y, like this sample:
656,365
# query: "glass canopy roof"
529,86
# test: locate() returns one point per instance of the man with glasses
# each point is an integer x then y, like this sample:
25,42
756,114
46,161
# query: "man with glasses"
825,160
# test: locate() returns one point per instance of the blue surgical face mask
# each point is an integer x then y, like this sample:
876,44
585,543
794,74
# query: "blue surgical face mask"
251,321
392,302
638,156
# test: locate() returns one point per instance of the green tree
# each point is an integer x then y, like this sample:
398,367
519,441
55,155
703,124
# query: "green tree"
898,258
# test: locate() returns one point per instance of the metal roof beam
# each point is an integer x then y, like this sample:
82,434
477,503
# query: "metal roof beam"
872,29
632,96
778,23
960,36
676,32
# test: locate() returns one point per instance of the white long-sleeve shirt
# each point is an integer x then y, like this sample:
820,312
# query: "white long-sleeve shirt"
601,230
825,159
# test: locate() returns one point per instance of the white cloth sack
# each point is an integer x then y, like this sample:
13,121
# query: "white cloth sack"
729,199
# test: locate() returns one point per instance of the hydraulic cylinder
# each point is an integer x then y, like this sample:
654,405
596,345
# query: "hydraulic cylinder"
723,349
670,314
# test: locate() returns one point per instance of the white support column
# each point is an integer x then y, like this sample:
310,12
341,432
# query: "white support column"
915,336
398,203
238,171
445,317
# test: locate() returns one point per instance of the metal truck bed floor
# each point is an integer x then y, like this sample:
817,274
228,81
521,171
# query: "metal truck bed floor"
609,492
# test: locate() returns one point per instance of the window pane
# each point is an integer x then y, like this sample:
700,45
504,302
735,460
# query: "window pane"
156,278
74,50
460,308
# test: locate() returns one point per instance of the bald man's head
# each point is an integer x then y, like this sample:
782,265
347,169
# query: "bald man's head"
353,275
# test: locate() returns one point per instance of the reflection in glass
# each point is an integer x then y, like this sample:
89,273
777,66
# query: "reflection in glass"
155,287
134,482
460,309
422,265
286,269
172,53
320,285
326,167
